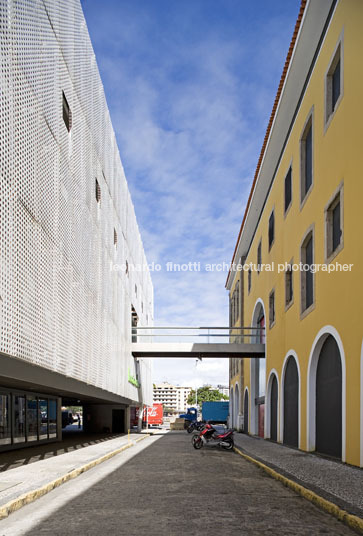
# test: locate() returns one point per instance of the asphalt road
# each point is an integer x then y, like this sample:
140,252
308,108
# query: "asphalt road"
164,487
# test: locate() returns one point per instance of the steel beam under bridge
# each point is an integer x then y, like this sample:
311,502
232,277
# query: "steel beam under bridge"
192,342
196,350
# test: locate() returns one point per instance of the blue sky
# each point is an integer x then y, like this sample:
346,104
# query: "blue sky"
190,86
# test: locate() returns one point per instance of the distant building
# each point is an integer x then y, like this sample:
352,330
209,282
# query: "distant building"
172,396
224,389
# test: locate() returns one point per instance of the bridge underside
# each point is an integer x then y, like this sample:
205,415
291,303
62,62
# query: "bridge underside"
197,350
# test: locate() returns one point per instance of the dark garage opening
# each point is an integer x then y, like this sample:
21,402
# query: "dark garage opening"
329,400
291,404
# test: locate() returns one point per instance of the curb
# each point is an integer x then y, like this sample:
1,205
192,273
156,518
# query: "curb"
351,520
31,496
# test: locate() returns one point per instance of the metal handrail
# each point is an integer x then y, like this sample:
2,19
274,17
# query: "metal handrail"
230,328
188,335
207,334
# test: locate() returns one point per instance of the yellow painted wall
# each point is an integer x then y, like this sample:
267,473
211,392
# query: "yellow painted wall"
337,156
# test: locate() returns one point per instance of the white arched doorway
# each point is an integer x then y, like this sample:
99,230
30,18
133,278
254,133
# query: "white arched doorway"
326,336
258,376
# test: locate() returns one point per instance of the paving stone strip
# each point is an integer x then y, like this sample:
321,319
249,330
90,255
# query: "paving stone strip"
336,482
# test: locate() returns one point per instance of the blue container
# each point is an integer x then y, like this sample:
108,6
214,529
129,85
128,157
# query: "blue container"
215,412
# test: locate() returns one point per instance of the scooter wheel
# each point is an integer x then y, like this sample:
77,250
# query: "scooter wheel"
197,442
230,445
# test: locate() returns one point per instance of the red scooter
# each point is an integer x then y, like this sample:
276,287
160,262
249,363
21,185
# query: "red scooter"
210,434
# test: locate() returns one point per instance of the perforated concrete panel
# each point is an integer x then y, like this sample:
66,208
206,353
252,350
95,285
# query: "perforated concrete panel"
65,297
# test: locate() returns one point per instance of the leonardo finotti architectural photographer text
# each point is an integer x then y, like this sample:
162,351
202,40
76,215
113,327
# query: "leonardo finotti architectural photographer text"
198,266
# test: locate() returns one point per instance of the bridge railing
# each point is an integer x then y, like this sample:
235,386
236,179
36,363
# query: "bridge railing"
204,334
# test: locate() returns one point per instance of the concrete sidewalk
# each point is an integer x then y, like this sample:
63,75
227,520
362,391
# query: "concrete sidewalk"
334,481
24,484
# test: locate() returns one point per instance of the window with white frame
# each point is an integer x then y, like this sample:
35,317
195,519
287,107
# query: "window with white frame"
271,301
236,292
334,83
271,230
307,273
306,157
289,289
334,225
288,190
259,257
231,309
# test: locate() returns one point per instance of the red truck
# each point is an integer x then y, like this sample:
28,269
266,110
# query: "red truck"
152,415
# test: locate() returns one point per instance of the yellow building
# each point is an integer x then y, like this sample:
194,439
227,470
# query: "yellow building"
300,247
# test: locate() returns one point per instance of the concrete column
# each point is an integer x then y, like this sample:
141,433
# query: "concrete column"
127,418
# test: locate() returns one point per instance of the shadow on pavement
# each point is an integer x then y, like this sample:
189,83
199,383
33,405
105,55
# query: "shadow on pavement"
169,489
72,440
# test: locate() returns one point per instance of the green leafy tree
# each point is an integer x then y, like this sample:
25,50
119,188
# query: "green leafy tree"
206,394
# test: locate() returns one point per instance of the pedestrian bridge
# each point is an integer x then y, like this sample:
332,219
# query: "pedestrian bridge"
198,342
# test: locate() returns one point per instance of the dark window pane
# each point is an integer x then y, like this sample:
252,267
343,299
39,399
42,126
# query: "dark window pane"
43,418
271,229
259,256
272,308
5,432
19,419
336,227
66,113
237,301
308,160
52,418
336,85
289,290
249,279
288,190
32,419
133,325
308,274
98,192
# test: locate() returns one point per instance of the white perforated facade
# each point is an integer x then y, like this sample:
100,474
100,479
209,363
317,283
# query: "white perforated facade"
62,306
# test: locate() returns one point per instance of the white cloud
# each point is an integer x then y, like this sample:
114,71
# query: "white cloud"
189,108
